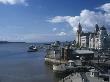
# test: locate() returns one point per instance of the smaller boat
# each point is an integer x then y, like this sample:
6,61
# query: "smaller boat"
32,49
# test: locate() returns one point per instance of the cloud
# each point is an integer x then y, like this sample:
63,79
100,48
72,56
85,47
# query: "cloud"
54,29
105,7
58,19
61,34
13,2
87,18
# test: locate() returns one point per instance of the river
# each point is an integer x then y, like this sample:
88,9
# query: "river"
18,65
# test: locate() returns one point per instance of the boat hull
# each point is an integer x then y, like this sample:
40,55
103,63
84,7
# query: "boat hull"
32,50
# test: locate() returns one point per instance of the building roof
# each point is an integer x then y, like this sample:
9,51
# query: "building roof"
107,62
88,34
102,28
84,52
85,34
70,61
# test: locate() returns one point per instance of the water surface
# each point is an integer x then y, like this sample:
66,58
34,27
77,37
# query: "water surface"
18,65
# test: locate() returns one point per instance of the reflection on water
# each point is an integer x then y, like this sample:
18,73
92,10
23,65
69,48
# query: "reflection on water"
18,65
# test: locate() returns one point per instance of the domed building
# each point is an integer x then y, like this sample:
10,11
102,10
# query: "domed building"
94,40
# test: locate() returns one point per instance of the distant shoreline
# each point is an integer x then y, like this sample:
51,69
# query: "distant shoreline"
10,42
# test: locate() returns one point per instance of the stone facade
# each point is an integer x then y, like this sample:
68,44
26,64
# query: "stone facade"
98,39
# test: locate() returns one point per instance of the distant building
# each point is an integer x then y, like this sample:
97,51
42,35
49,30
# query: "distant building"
99,39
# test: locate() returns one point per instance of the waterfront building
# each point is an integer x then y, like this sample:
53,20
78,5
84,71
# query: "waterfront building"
85,40
86,54
99,39
67,53
85,77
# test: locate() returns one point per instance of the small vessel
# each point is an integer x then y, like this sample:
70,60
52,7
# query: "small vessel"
32,49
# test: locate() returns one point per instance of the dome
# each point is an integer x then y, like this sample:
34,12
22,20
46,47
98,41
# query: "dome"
102,28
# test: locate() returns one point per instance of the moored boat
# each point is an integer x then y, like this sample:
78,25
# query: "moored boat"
32,49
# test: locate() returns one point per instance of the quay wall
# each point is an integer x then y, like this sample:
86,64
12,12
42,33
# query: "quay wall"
54,61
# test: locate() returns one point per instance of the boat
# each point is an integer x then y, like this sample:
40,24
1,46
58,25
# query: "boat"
32,49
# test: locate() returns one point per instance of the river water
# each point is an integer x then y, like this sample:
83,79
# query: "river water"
18,65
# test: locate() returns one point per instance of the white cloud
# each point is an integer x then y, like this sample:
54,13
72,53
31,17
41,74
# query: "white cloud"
61,34
87,18
13,2
58,19
105,7
54,29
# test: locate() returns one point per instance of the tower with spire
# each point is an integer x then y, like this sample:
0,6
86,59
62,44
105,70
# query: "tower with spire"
78,35
96,28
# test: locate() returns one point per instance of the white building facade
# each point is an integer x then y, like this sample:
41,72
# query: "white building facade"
98,39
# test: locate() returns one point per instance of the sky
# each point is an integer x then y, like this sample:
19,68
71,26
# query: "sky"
50,20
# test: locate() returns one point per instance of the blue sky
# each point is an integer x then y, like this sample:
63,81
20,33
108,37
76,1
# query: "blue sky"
49,20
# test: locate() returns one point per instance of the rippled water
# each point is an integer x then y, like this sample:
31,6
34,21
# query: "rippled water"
18,65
